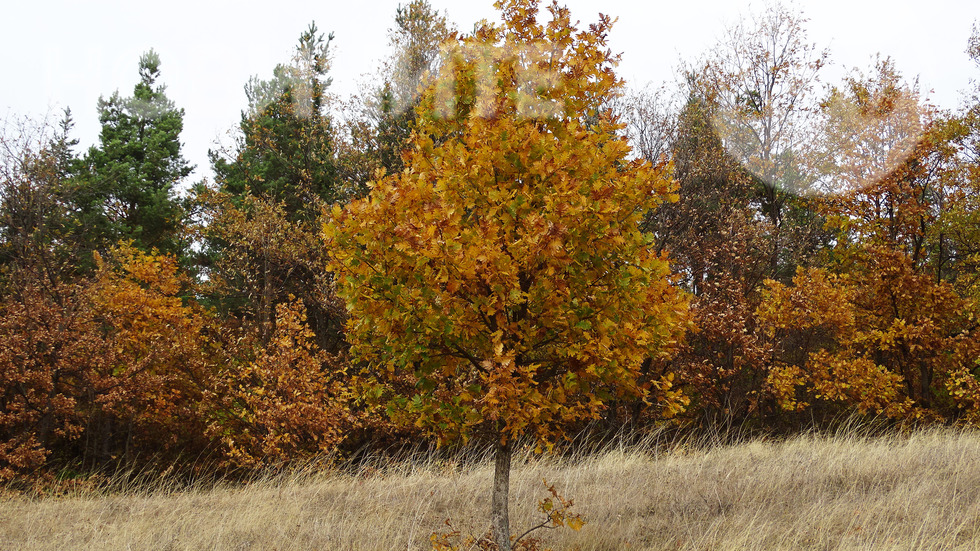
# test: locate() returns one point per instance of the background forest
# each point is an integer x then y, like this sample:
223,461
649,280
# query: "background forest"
750,247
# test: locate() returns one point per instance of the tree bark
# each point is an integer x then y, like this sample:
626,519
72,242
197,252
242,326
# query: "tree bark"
499,520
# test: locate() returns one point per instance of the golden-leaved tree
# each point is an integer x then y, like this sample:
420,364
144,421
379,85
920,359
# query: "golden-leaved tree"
149,397
500,282
280,401
882,327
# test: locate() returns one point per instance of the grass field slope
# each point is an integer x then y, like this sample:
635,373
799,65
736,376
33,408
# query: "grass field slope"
915,491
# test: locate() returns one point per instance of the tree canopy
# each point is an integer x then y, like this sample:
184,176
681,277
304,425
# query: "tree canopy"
503,273
128,187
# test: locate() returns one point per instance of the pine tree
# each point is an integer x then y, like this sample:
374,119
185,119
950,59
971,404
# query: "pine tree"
285,152
127,190
415,59
263,242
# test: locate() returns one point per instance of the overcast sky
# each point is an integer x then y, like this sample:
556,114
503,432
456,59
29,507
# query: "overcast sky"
56,54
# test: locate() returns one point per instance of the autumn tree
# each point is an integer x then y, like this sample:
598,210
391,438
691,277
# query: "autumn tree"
881,327
761,80
501,281
52,355
720,251
149,398
281,402
49,343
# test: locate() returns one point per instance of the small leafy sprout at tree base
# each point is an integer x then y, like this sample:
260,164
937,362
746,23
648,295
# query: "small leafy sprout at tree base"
556,515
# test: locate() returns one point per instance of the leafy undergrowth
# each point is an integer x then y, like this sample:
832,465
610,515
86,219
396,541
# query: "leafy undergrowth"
915,491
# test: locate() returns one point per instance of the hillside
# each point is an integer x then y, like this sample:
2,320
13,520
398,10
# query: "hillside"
919,491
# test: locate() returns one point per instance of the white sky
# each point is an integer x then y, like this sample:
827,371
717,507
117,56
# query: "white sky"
56,54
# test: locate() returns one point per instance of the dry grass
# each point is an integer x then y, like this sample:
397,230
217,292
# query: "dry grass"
920,491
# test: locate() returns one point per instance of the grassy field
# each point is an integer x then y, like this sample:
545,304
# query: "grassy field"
919,491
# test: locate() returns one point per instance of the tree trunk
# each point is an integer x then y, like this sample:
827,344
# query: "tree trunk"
501,490
266,315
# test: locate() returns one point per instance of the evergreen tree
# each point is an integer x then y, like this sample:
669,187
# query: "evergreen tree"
415,40
127,190
285,151
377,128
263,243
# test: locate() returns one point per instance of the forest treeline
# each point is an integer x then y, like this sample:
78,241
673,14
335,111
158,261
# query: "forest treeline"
498,240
